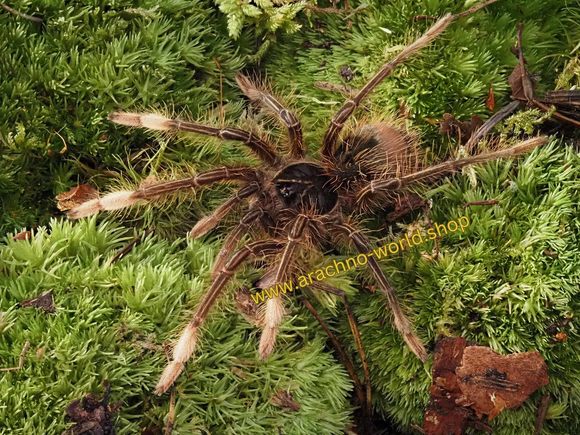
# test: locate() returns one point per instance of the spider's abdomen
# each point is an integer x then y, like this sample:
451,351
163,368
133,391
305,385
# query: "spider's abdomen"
304,185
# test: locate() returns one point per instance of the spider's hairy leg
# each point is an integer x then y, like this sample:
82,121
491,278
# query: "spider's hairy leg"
127,198
384,186
402,323
350,105
264,150
188,339
286,117
355,333
233,238
274,309
207,223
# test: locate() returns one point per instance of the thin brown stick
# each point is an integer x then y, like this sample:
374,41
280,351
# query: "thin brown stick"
171,418
333,10
20,360
542,410
21,14
556,114
428,215
488,202
488,125
417,428
130,246
474,9
349,367
355,334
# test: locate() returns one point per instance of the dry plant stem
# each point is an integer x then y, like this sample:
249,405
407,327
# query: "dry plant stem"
345,90
274,308
402,323
417,428
449,167
349,367
233,238
187,341
428,215
171,417
489,202
542,410
209,222
264,150
355,334
130,246
20,360
285,116
556,114
333,10
488,125
21,15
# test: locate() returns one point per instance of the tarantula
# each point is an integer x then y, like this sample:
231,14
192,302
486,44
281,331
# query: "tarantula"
294,199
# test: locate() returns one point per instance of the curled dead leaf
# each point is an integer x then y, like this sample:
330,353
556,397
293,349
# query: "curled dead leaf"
284,400
76,196
459,129
44,302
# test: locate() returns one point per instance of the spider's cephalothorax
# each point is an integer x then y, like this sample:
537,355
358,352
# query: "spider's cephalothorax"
305,186
295,201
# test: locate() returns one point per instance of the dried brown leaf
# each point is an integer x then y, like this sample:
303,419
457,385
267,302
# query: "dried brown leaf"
24,235
76,196
490,101
44,302
91,415
460,129
284,400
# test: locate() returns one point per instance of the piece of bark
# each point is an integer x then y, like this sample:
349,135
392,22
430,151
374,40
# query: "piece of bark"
542,411
44,302
91,415
491,382
459,129
76,196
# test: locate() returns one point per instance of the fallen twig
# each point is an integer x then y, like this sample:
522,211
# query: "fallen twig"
21,14
556,114
417,428
171,418
542,410
488,125
488,202
130,246
333,10
20,360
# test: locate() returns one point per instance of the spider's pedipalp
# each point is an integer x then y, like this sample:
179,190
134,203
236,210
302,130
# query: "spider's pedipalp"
262,149
188,340
207,223
285,116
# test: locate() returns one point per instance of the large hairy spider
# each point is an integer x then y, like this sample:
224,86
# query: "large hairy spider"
296,201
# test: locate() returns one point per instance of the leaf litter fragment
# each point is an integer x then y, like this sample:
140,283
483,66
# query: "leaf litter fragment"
473,384
44,302
91,415
76,196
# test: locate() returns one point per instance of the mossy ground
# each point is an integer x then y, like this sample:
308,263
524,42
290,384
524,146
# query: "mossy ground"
493,284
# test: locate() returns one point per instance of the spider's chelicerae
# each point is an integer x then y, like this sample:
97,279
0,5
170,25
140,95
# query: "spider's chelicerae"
296,201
